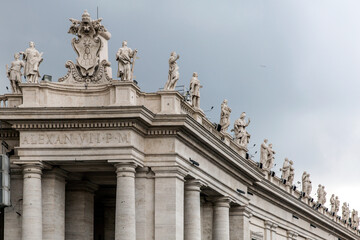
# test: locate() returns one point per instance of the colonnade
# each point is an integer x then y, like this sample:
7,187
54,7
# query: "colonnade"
177,209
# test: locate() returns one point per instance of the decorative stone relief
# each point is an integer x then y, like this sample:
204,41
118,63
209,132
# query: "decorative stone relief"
125,65
87,45
32,59
14,73
242,137
174,75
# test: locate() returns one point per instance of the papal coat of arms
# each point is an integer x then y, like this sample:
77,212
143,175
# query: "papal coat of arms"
87,45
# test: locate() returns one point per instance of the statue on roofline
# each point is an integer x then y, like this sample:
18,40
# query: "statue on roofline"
14,73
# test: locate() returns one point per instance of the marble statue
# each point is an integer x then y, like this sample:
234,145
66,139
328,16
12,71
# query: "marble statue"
32,59
332,203
345,212
174,75
337,204
285,169
291,174
195,90
90,67
270,158
264,153
306,184
355,218
225,116
125,65
321,194
14,73
241,135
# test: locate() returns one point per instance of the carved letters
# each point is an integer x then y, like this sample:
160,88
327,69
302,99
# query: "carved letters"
73,139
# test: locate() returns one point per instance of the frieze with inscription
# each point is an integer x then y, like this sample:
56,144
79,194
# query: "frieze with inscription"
75,139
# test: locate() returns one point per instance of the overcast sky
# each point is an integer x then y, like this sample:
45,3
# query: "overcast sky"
292,65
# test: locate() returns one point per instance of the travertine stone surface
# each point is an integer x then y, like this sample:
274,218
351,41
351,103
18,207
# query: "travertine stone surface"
145,204
32,203
221,227
32,59
239,223
169,203
13,214
192,216
206,220
14,73
53,200
79,210
109,219
125,222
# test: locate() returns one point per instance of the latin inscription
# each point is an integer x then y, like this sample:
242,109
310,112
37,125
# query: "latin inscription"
75,138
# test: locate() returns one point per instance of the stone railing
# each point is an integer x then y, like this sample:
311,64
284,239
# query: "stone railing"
3,101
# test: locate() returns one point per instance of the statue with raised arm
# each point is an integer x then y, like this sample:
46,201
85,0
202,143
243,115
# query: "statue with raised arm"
124,56
32,59
173,75
332,203
337,204
264,153
195,90
241,135
14,73
225,116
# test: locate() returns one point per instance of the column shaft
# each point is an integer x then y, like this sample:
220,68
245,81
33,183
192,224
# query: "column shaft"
125,223
32,204
207,221
192,217
221,230
53,198
239,223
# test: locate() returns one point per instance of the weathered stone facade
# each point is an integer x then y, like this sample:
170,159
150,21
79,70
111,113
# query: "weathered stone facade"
107,161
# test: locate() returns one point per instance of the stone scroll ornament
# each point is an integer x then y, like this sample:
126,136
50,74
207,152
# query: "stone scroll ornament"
88,69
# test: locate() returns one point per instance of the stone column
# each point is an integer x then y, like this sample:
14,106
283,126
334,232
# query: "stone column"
206,220
125,223
240,223
192,216
53,200
32,204
145,204
13,223
268,225
221,230
291,235
79,210
169,203
273,231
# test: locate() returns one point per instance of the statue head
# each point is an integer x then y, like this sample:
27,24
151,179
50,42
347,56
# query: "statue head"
124,43
336,197
270,145
319,185
265,140
195,74
305,173
225,101
286,159
291,162
173,54
31,44
323,187
243,115
16,56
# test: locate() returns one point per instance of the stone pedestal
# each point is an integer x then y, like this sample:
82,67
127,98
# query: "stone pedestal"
192,216
53,198
79,210
145,204
221,228
169,203
32,203
125,223
240,223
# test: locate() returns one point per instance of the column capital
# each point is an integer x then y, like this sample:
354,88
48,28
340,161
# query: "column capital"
32,169
222,202
144,172
291,234
194,185
56,173
169,172
125,169
270,225
241,211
